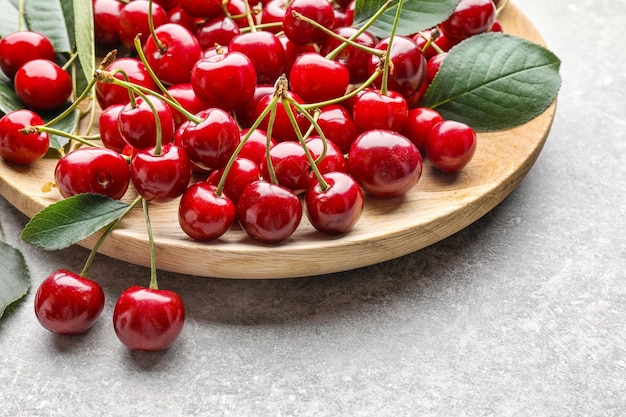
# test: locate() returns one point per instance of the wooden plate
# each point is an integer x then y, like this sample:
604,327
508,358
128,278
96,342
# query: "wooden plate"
439,206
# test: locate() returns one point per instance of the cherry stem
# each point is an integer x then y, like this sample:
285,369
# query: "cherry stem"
162,49
349,95
153,275
70,61
104,235
144,61
20,15
430,40
387,60
501,7
43,128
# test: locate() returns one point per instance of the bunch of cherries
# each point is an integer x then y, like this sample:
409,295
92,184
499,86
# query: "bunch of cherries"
248,113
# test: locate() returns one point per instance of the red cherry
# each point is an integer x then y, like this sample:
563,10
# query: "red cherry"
202,214
203,9
68,304
18,48
301,32
451,145
290,164
316,78
108,94
354,59
373,110
109,128
420,122
173,64
385,163
217,31
148,319
469,18
17,147
163,177
211,142
133,21
179,16
274,13
241,173
264,50
282,129
106,15
268,212
293,51
432,67
92,170
338,126
245,112
333,160
137,123
42,85
187,98
226,81
440,42
334,210
237,11
256,145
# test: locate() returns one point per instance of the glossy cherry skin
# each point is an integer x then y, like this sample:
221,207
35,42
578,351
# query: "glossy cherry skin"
146,319
241,173
138,124
217,31
334,210
426,37
42,85
173,64
179,16
333,160
290,164
274,13
203,214
210,143
203,9
470,17
451,145
301,32
92,170
354,59
245,112
255,148
316,78
68,304
108,94
163,177
187,98
17,147
419,124
106,21
18,48
373,110
109,128
133,21
268,212
282,129
293,51
264,50
433,65
226,81
409,65
384,163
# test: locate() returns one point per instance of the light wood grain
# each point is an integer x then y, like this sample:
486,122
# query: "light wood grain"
439,206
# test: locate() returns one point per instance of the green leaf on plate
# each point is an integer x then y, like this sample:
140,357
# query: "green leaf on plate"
416,15
85,42
14,276
68,124
71,220
495,81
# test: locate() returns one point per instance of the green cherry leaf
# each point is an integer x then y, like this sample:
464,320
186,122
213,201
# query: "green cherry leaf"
494,81
84,35
48,17
9,17
71,220
14,276
416,15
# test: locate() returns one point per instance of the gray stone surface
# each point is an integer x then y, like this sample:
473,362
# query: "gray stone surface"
520,314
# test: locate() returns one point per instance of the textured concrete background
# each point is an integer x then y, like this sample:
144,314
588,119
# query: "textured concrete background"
520,314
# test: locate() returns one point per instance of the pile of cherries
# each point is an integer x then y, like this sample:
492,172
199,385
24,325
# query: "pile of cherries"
248,113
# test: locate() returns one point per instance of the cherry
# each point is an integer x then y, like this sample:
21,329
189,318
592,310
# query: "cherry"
333,160
167,4
68,304
109,128
211,142
225,80
256,145
241,173
160,177
316,78
187,99
293,51
22,148
268,212
451,145
338,127
432,67
282,129
354,59
179,16
42,85
301,32
274,13
203,9
137,122
106,15
92,170
217,31
148,319
18,48
203,214
290,164
409,65
441,43
265,51
245,112
129,69
334,210
236,10
469,18
420,122
374,110
384,163
175,54
133,21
